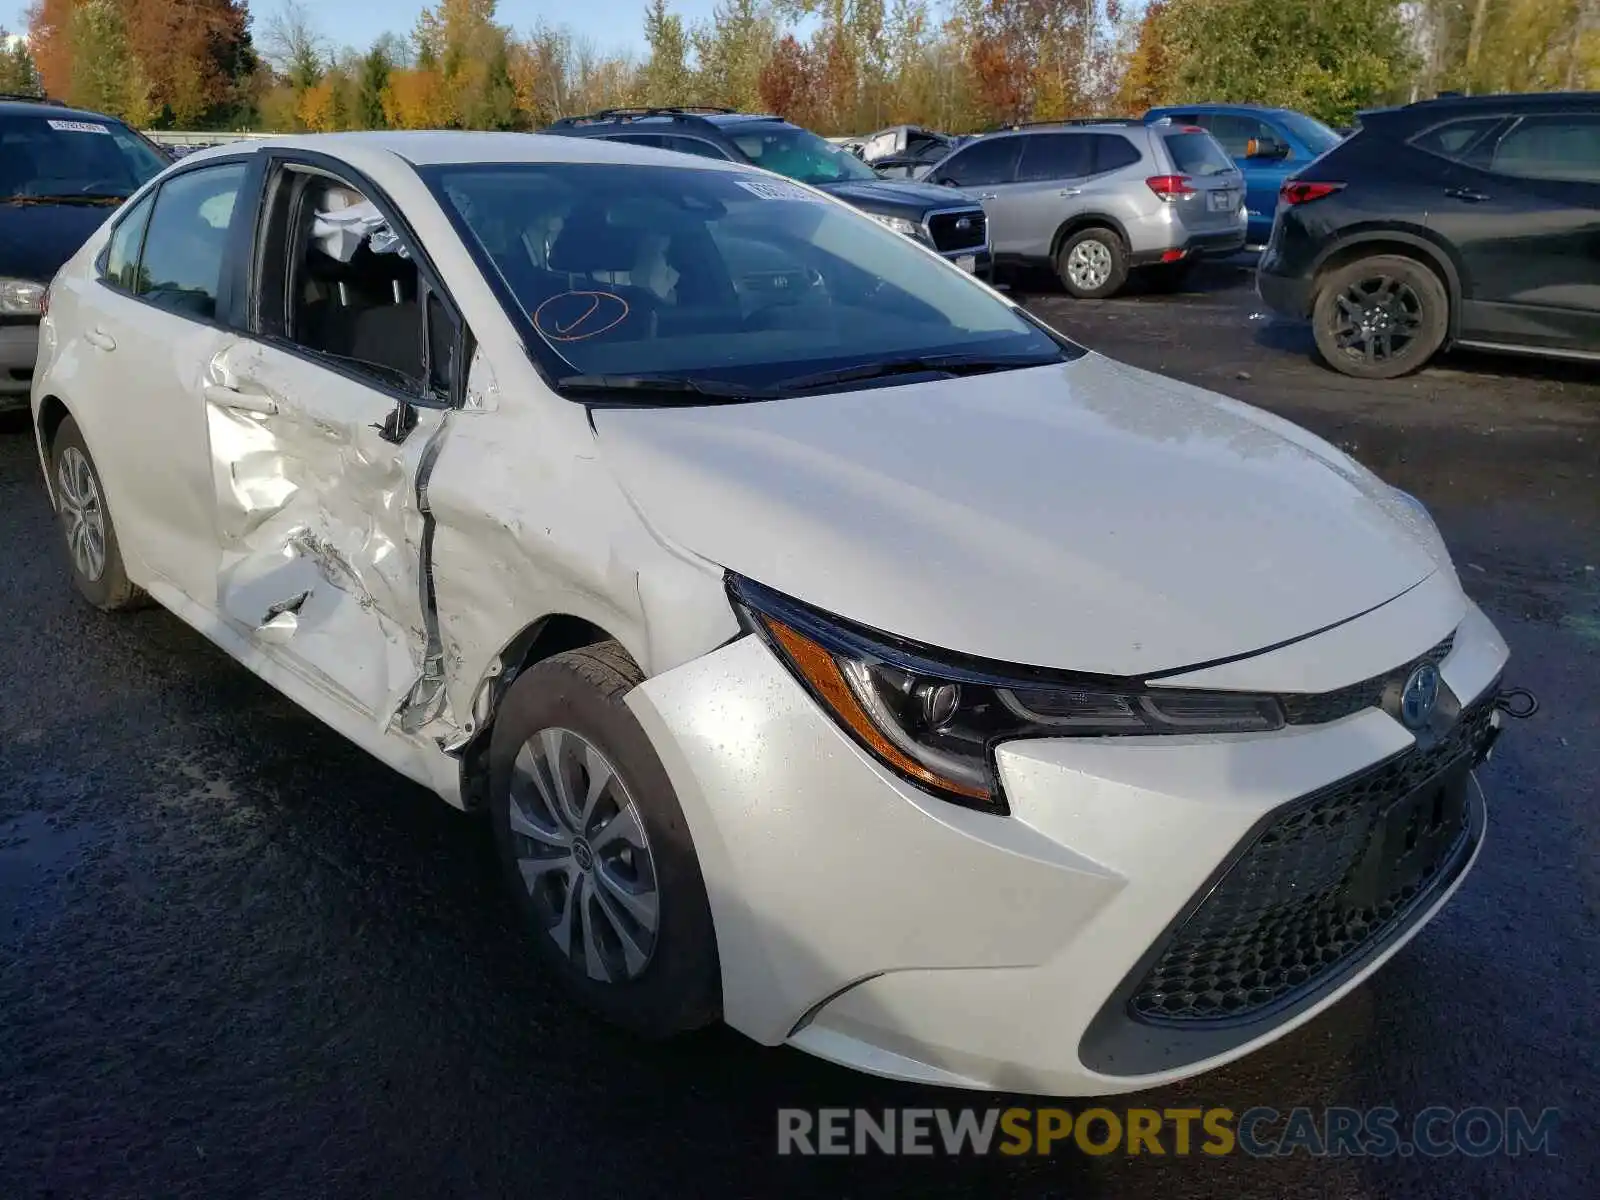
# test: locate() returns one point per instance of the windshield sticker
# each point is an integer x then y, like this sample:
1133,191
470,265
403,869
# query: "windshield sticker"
776,189
79,127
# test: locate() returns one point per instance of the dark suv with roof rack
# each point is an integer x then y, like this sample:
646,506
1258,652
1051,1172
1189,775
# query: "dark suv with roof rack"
62,171
949,222
1468,221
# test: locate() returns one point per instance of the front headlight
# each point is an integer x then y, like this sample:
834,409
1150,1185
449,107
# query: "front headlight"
911,229
21,297
936,719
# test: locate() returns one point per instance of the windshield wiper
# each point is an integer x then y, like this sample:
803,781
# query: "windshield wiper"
98,198
693,391
922,364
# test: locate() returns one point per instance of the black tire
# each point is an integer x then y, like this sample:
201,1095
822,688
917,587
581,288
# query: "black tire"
110,590
1168,277
679,987
1116,252
1407,301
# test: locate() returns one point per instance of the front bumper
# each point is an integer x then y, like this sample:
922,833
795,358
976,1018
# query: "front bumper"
19,348
873,925
982,261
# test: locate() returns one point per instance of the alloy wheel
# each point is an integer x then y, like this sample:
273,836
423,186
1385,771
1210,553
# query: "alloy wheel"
1377,319
82,512
584,856
1089,265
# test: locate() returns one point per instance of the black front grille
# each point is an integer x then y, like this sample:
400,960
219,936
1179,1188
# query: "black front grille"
964,230
1331,706
1321,882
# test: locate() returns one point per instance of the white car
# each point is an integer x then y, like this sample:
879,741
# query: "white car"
836,650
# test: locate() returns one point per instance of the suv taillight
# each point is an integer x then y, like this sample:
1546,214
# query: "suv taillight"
1297,191
1170,187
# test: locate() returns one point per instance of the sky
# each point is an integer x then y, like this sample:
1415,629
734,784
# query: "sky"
610,24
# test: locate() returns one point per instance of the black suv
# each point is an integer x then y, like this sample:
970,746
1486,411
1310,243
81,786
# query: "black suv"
949,222
1467,221
61,172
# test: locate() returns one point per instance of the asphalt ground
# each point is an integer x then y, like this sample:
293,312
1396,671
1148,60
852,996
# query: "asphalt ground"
240,958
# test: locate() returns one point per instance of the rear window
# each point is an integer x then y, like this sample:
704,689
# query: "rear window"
72,156
1196,153
1455,139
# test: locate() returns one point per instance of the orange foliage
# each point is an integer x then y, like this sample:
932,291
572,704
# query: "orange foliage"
414,100
49,23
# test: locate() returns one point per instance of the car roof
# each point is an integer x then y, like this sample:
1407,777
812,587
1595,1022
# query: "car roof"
1219,106
45,108
1505,101
422,148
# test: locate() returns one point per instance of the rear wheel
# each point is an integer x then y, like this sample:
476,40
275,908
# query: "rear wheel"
1092,264
595,847
92,550
1380,317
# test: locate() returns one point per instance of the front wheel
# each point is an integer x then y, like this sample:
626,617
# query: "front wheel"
1380,317
596,848
92,550
1092,264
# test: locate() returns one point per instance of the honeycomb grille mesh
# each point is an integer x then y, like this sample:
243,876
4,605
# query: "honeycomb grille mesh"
1285,913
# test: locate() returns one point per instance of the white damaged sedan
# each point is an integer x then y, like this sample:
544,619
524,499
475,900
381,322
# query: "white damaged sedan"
836,650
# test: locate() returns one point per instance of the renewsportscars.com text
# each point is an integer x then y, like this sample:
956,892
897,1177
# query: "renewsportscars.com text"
1260,1132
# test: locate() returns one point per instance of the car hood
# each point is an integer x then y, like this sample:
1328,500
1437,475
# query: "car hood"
887,194
1086,516
35,239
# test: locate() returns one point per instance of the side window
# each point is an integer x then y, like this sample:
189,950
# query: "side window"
655,141
187,240
689,145
1113,152
353,289
1235,131
1555,147
982,163
1455,139
119,266
1054,156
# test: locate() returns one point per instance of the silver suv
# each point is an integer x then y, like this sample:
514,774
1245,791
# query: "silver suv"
1095,201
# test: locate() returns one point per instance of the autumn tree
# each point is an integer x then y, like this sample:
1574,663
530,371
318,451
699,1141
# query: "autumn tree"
1330,58
18,75
371,82
730,51
788,83
665,78
1147,78
105,76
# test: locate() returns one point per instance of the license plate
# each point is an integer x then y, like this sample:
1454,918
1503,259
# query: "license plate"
1222,202
968,262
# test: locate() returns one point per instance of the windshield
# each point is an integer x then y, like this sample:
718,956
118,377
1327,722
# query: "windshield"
72,156
1316,136
797,153
719,276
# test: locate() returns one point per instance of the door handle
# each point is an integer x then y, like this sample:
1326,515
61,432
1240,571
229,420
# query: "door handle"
250,402
1470,195
1070,192
100,340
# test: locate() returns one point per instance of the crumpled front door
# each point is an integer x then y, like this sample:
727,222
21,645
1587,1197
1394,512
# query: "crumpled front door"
320,528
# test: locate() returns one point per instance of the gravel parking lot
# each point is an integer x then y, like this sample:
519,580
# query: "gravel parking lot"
239,958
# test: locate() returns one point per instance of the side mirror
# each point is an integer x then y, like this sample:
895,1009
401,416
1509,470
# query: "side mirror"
1265,147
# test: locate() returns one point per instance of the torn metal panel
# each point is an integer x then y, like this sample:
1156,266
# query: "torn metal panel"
513,546
320,525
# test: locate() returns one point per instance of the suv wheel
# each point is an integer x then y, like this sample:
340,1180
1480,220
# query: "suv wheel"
1093,264
596,849
1380,317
